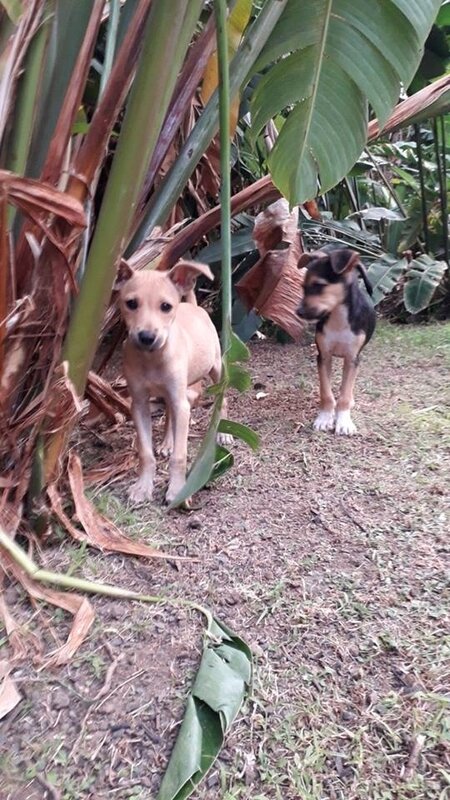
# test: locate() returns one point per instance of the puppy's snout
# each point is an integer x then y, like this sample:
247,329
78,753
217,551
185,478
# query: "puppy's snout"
300,310
146,339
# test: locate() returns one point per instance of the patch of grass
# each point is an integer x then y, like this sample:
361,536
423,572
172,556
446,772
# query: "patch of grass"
108,504
434,337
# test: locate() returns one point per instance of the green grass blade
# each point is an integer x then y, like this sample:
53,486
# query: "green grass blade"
203,465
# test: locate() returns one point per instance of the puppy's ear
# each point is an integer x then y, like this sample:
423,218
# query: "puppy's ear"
306,258
343,260
124,273
185,273
362,271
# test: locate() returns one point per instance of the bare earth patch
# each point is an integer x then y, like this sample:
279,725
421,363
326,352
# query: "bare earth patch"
326,553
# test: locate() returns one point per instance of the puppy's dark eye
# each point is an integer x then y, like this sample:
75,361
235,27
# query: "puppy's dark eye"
132,304
316,288
166,307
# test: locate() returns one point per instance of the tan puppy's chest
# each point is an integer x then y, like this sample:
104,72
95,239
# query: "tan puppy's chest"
184,360
336,337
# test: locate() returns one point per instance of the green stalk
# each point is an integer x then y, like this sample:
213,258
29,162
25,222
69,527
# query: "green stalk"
26,105
444,196
27,96
207,126
220,10
387,184
111,41
423,196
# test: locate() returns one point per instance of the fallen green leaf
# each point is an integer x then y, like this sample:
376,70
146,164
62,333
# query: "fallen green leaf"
217,694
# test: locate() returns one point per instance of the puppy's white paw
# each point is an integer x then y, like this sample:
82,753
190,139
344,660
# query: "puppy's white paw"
225,439
324,421
165,448
344,424
141,490
171,494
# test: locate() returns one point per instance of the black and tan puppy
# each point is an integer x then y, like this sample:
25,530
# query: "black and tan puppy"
345,320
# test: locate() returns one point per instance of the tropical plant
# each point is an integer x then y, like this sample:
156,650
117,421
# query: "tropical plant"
91,167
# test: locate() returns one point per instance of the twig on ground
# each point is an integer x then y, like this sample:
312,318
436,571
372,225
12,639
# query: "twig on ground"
413,759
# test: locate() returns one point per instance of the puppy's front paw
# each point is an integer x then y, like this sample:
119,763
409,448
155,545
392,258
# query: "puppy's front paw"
344,424
141,490
224,439
165,448
324,421
172,493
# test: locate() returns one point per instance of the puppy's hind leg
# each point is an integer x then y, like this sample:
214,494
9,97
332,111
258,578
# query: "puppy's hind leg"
325,418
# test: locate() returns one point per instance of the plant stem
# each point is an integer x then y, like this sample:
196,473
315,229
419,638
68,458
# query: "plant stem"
220,10
90,587
385,181
111,40
423,199
442,187
444,193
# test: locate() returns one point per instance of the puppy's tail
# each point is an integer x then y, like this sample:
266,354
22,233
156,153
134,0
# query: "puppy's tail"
362,271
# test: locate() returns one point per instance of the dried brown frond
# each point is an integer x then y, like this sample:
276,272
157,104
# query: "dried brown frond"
97,531
273,286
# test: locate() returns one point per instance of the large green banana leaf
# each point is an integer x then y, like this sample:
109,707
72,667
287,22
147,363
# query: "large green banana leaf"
424,276
343,55
384,274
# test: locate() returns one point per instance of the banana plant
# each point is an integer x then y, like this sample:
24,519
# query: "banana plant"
87,196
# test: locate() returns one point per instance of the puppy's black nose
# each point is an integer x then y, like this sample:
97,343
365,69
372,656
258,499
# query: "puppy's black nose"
146,338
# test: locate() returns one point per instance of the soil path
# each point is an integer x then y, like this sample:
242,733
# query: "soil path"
327,553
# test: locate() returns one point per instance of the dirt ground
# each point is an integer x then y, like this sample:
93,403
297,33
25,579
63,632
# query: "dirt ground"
326,553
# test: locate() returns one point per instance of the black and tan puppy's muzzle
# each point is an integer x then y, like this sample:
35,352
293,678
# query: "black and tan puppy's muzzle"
310,313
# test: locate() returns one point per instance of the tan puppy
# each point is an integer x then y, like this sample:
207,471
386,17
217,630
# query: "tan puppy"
170,347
